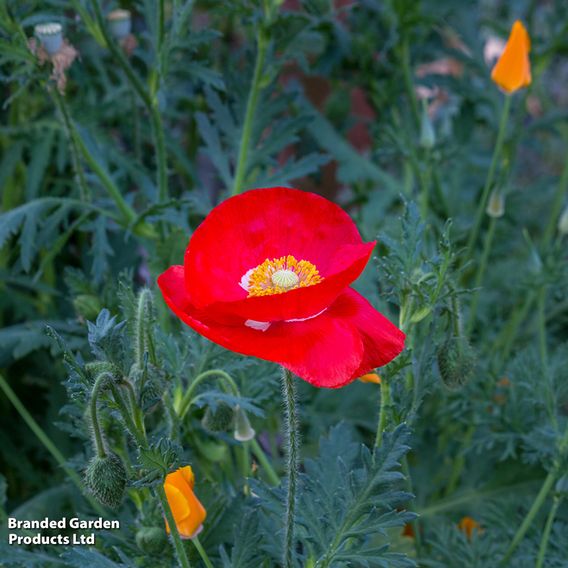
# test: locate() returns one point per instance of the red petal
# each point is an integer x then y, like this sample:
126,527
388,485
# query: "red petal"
327,351
245,230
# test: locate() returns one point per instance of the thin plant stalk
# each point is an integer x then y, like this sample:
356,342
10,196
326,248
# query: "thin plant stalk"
97,389
547,530
292,454
264,462
480,274
202,552
490,174
384,409
48,444
557,202
252,101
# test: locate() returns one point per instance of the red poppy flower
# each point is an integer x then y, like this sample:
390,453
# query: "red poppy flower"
267,274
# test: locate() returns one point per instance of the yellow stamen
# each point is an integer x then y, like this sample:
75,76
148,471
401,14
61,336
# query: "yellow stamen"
282,274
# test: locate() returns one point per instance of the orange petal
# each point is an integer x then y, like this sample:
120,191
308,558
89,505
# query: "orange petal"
513,69
371,378
467,525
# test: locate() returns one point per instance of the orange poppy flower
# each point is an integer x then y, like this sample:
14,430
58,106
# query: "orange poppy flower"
467,525
371,378
513,69
187,511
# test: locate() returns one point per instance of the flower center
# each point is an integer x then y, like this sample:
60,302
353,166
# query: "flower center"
285,278
280,275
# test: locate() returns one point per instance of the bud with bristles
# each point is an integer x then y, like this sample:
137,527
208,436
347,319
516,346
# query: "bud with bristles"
220,419
456,361
244,432
120,23
106,478
151,540
50,36
496,205
87,306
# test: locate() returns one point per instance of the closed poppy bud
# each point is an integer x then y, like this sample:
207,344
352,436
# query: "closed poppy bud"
427,133
467,525
496,205
371,378
106,478
456,361
151,540
220,419
87,306
244,432
513,69
563,222
187,510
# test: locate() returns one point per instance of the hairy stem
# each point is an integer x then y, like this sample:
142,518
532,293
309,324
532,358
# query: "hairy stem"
100,384
292,454
383,410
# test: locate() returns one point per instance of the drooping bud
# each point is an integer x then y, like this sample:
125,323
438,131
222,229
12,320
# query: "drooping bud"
561,486
220,419
563,222
120,23
244,432
106,478
456,361
427,132
496,204
50,36
151,540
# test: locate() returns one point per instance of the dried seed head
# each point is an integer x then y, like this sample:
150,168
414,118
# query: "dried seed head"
50,36
120,23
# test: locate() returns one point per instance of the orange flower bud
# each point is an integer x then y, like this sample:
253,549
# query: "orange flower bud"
187,511
513,69
467,525
371,378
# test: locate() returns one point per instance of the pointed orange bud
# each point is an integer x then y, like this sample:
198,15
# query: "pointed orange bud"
467,525
187,511
371,378
513,69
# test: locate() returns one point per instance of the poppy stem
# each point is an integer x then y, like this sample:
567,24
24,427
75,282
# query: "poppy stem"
383,410
264,462
242,159
490,174
292,452
547,530
480,274
202,553
178,543
100,383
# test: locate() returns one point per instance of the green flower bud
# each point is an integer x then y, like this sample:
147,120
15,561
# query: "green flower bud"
563,222
106,478
151,540
427,132
87,306
95,368
243,430
496,205
220,419
456,362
